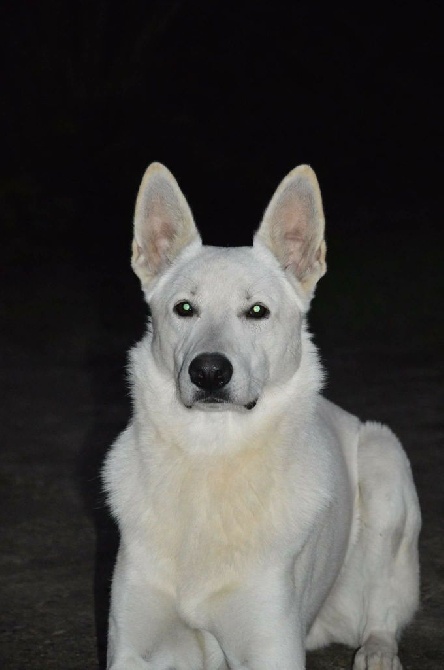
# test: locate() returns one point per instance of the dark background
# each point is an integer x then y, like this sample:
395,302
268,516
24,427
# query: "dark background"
230,96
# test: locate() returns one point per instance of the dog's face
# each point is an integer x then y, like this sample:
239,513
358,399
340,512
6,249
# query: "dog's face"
226,322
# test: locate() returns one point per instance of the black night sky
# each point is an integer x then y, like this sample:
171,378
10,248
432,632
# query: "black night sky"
230,96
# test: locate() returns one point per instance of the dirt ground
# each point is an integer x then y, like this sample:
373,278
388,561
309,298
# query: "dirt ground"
378,321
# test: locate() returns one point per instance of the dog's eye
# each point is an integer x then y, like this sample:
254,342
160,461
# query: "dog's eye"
184,308
258,311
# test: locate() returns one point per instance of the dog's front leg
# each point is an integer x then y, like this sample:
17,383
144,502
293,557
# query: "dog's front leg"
260,628
145,632
135,618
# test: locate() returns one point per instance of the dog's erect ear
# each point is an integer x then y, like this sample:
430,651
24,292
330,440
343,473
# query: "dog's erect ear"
163,223
293,227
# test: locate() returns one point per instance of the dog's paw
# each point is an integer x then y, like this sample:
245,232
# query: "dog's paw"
376,655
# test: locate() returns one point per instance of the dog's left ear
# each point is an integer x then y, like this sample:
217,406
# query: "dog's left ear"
293,227
163,224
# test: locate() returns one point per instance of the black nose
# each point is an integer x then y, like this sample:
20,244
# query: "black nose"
210,371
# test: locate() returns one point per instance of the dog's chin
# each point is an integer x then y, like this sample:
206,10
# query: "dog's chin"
215,404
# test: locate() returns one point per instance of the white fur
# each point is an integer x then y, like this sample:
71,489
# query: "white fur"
248,536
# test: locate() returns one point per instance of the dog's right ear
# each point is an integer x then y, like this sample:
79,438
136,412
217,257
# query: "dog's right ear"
163,224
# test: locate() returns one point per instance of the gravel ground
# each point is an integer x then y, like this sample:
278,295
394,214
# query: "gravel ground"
378,324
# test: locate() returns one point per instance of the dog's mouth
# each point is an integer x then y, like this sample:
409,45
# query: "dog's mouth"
217,401
211,401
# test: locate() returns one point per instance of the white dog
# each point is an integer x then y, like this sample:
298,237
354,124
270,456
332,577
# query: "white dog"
257,519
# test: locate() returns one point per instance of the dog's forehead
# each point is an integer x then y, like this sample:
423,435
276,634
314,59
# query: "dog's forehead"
222,270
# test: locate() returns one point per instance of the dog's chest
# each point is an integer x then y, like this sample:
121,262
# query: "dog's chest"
208,521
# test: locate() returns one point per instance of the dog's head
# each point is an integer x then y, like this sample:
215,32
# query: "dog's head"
226,322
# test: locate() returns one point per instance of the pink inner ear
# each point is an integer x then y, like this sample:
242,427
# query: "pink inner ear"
294,212
161,234
293,216
293,225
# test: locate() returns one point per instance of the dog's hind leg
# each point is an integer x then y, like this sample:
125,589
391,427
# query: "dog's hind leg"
386,560
376,593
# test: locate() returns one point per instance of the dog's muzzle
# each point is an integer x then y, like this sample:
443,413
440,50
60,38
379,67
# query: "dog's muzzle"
211,373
